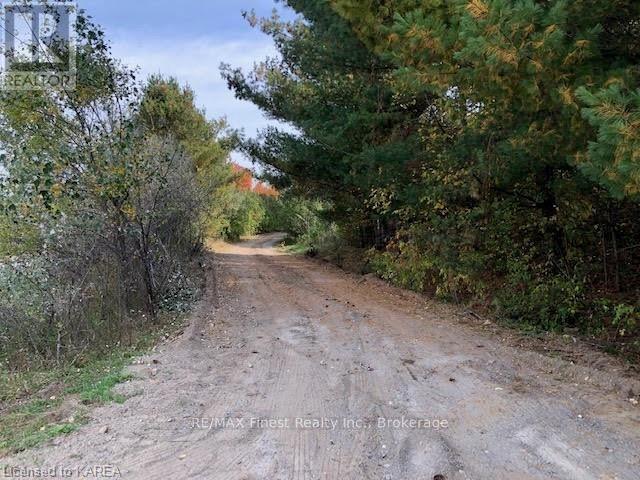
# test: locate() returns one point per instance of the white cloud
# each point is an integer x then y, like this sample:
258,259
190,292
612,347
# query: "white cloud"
197,63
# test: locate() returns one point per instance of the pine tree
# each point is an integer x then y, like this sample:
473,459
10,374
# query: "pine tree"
499,136
356,141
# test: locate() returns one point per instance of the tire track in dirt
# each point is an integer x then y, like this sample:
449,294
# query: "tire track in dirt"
278,337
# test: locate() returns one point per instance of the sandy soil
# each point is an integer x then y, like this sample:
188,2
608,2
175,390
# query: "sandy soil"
292,369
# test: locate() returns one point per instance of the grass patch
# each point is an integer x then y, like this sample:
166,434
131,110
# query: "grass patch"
297,249
94,385
32,433
45,402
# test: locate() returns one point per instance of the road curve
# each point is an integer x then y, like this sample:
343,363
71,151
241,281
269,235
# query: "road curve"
292,369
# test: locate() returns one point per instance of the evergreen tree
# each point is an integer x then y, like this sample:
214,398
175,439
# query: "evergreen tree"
498,137
355,143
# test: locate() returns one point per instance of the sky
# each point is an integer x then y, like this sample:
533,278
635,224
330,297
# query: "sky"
188,39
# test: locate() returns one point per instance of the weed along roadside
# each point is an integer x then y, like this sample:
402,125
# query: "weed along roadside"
44,403
283,352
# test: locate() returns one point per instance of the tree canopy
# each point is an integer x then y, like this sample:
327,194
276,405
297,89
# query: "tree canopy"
491,144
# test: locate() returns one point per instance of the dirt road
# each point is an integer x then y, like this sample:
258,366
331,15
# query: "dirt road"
291,369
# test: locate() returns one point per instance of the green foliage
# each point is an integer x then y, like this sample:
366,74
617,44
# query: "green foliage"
300,218
246,216
613,160
334,90
311,231
552,304
106,199
16,238
48,401
410,271
421,267
626,319
277,215
486,149
168,109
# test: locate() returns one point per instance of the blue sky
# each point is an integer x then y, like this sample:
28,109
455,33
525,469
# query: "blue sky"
189,39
